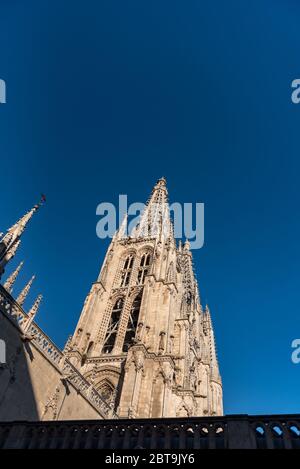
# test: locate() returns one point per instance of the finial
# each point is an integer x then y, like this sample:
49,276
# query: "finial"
32,312
187,245
8,285
162,181
161,184
23,295
207,310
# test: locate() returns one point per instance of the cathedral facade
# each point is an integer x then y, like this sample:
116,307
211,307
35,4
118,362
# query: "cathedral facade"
143,343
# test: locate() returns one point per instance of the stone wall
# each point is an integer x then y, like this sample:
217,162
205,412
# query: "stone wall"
36,382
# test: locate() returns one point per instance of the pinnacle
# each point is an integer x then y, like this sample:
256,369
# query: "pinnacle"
162,181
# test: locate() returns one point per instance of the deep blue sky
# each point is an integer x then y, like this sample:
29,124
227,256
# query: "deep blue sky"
103,98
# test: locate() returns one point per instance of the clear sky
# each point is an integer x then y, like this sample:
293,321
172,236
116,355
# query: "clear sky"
103,98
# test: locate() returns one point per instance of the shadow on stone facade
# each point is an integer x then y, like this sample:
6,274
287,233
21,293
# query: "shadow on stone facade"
17,397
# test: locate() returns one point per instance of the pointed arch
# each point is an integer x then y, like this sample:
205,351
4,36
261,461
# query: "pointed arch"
132,322
111,333
183,410
127,269
106,390
144,267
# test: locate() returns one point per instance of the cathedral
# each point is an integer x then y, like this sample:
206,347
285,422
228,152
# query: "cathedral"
143,347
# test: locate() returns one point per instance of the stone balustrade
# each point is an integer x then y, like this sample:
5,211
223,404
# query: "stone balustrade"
229,432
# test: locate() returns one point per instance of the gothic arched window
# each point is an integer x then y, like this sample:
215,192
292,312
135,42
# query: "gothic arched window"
126,271
106,390
144,268
112,329
132,322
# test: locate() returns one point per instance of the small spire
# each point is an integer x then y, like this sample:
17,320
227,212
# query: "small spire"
207,316
23,295
17,229
187,245
32,312
14,233
162,181
9,254
10,242
34,308
8,285
214,366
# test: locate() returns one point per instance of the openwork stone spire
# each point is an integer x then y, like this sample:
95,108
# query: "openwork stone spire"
11,240
155,221
142,334
8,285
23,295
17,229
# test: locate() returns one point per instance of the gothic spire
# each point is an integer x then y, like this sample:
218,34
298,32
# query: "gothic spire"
12,237
23,295
155,220
34,308
33,312
159,194
17,229
215,374
8,285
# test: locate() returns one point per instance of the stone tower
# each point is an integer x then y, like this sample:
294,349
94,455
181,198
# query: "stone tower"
143,339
